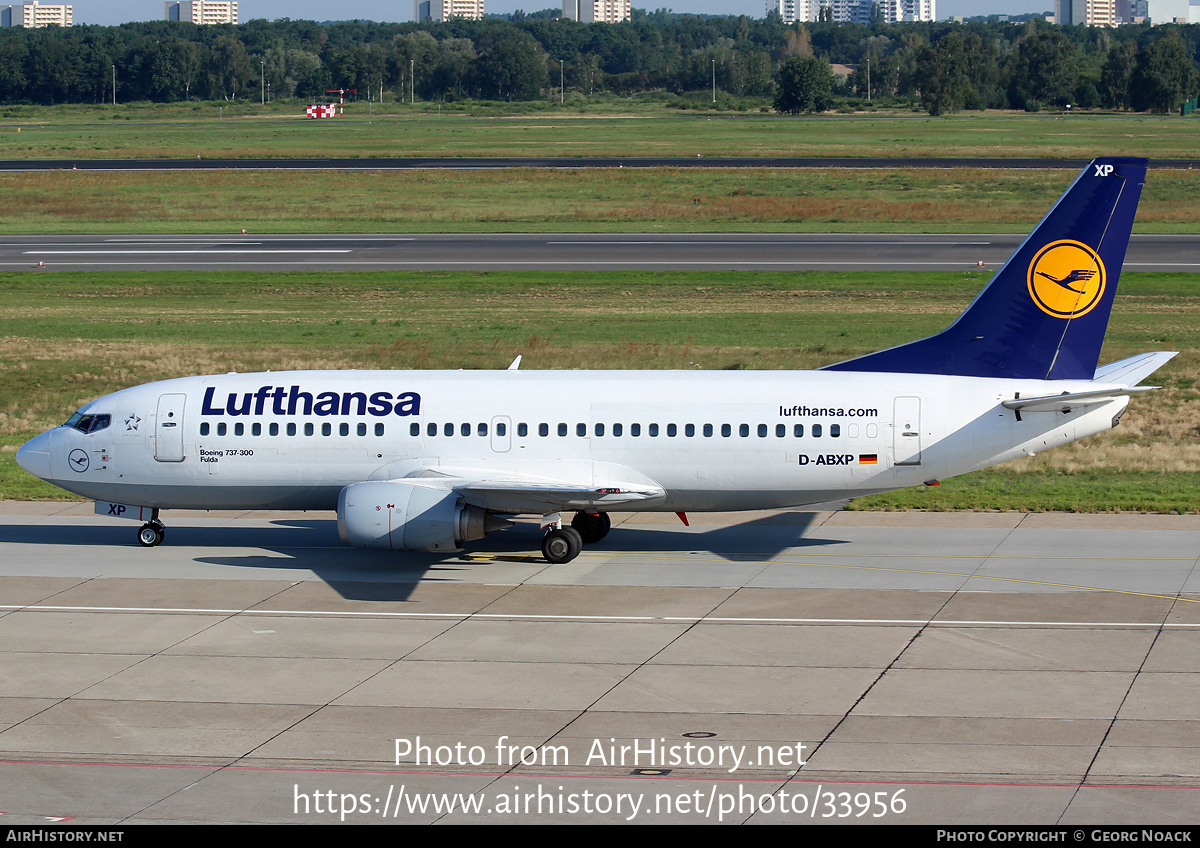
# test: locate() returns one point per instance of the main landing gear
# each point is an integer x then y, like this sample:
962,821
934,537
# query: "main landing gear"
562,544
152,532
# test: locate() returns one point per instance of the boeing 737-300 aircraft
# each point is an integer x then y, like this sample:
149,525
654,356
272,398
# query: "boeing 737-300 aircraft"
430,460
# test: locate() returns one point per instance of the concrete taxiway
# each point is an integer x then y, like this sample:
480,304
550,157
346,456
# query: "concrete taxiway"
925,668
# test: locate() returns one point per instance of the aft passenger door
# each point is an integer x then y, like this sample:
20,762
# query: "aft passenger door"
906,431
168,428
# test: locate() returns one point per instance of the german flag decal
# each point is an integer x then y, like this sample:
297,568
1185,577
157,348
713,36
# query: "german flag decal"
868,459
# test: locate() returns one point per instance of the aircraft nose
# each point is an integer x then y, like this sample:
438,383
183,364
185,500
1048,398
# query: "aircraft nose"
34,456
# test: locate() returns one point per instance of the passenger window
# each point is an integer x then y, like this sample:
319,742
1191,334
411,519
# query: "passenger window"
780,430
816,431
726,430
689,430
291,428
522,429
273,429
635,429
308,428
835,430
562,429
618,429
239,428
481,429
344,428
708,430
744,430
379,429
256,429
414,429
464,429
652,429
221,429
327,429
599,429
204,428
448,429
431,429
580,429
762,431
362,428
543,429
798,431
671,431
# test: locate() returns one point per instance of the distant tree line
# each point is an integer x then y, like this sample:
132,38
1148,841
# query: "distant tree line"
942,66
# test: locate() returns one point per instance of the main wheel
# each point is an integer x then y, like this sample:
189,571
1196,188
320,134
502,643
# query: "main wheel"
562,545
149,535
592,527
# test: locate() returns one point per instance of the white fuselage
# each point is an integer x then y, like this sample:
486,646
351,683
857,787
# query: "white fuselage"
709,441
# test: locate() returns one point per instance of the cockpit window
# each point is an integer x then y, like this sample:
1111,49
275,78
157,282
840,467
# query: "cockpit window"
88,423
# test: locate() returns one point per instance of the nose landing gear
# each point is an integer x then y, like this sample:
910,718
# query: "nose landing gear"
151,533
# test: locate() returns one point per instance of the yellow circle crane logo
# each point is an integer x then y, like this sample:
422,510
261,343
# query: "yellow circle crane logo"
1066,279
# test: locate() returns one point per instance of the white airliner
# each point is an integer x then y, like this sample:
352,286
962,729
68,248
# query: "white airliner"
430,460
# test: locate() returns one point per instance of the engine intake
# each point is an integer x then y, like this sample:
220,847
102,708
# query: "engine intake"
400,516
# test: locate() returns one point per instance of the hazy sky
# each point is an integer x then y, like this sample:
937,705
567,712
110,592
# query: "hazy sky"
119,11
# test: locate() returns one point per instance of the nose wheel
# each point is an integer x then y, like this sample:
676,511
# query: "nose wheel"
151,534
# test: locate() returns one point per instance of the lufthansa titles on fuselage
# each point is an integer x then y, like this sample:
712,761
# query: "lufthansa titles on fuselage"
827,411
281,401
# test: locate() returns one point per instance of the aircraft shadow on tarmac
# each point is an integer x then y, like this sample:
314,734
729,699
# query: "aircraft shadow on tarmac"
313,545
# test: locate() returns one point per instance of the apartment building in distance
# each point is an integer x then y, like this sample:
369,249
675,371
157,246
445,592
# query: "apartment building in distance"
852,11
202,11
597,11
444,10
35,15
1086,12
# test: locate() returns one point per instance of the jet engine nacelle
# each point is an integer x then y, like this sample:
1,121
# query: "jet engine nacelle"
400,516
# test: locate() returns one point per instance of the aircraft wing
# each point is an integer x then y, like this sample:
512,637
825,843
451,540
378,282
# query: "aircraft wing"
514,496
526,494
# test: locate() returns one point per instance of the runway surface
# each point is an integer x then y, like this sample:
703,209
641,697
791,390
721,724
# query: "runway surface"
935,668
563,251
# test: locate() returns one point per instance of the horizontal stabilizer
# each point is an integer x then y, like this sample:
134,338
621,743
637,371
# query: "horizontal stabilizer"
1072,400
1131,371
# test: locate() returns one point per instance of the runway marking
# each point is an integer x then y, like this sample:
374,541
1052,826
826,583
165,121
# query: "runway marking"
781,243
670,619
179,252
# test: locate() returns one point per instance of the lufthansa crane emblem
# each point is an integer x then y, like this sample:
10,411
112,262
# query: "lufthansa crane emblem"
1066,279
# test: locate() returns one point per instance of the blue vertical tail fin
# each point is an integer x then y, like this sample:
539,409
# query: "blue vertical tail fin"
1044,314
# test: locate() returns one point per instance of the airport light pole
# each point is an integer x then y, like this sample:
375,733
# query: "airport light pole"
562,82
262,82
714,80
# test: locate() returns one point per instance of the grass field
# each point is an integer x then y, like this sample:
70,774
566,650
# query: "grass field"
68,338
279,131
580,200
